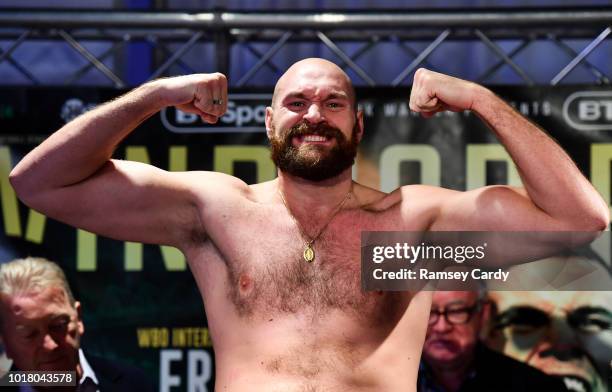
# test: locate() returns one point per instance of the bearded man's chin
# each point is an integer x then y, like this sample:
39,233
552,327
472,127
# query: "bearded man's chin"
314,162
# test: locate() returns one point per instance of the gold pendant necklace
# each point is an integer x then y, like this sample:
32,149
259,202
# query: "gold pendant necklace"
309,253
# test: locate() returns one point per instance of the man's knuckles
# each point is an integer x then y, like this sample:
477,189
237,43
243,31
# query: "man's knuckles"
209,118
423,76
219,77
216,80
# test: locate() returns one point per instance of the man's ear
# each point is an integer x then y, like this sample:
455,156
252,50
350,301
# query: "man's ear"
269,113
79,310
359,119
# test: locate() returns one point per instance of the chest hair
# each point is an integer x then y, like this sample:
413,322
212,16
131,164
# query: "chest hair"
279,281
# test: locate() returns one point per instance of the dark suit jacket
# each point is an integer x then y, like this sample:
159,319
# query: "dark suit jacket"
495,372
112,377
115,377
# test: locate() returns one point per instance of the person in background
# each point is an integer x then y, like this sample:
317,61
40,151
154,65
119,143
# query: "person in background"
454,359
563,333
41,325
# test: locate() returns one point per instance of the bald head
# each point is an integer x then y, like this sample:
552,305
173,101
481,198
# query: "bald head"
314,68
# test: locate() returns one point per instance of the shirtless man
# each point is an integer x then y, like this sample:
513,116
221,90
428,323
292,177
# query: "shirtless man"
279,322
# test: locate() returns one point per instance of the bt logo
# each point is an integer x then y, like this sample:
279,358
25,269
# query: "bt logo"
589,110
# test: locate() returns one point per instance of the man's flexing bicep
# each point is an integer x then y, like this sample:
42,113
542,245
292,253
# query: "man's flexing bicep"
132,201
514,228
491,208
71,177
557,195
123,200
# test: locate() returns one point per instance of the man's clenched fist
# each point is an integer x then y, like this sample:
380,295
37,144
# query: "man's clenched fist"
201,94
433,92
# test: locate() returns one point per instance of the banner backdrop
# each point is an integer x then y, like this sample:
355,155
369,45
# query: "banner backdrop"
140,302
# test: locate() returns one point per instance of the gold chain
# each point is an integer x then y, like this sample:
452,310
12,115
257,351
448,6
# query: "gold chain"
309,254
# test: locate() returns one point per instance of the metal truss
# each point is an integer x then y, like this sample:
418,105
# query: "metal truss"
349,39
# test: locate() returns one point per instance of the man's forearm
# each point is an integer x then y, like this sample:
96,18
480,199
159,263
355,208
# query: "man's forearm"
84,145
551,179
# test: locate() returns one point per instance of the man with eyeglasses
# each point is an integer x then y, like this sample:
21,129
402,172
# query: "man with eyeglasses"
566,334
454,359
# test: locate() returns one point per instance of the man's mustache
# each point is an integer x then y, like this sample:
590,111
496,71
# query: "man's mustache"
320,129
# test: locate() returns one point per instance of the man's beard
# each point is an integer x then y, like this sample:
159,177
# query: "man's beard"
314,162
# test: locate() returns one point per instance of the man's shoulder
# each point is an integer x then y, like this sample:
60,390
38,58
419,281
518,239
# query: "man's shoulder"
498,365
206,187
418,197
425,191
208,178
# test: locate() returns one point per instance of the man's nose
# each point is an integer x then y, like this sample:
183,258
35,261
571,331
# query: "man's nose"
314,114
564,341
441,325
49,344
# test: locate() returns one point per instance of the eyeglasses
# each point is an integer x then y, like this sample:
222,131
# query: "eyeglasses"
456,315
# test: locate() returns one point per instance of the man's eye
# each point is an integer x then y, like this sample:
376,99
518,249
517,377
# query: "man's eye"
59,326
296,104
334,105
522,319
594,324
590,319
457,310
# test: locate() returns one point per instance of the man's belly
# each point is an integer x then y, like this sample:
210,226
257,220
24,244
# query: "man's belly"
278,323
245,379
330,352
314,368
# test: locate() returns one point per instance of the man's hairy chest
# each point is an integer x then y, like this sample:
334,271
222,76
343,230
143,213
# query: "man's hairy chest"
266,274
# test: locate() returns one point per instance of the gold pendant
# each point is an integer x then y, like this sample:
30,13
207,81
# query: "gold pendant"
309,253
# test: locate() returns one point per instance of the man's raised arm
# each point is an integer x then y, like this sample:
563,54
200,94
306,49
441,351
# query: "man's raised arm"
72,178
556,196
